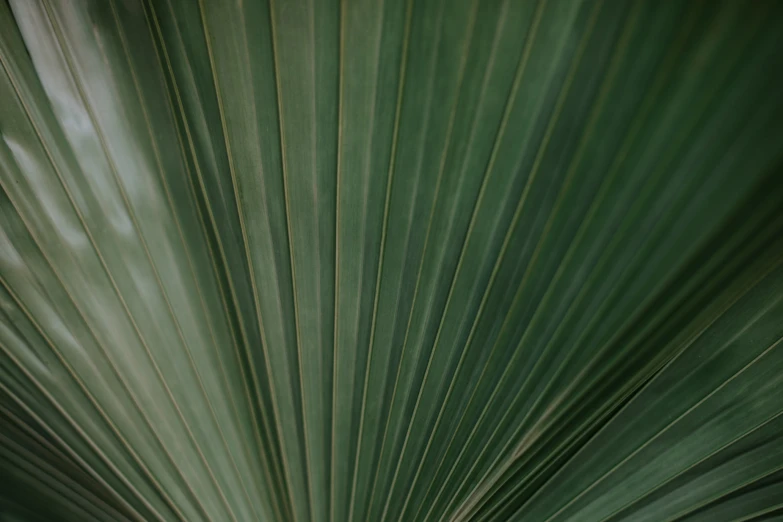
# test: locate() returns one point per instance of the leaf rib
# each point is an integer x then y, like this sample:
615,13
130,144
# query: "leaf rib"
264,458
384,228
81,218
178,327
249,259
85,100
521,64
450,128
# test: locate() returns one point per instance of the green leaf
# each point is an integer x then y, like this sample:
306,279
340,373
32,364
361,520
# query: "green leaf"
391,261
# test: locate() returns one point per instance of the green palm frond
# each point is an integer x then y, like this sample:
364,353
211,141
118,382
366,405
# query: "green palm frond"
415,260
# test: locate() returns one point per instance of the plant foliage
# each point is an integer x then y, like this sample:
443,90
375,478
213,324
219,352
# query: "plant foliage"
401,260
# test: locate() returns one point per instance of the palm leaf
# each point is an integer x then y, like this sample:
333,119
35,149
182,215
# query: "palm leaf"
391,261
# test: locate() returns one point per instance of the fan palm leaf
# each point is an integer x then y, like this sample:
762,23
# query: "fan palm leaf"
386,261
